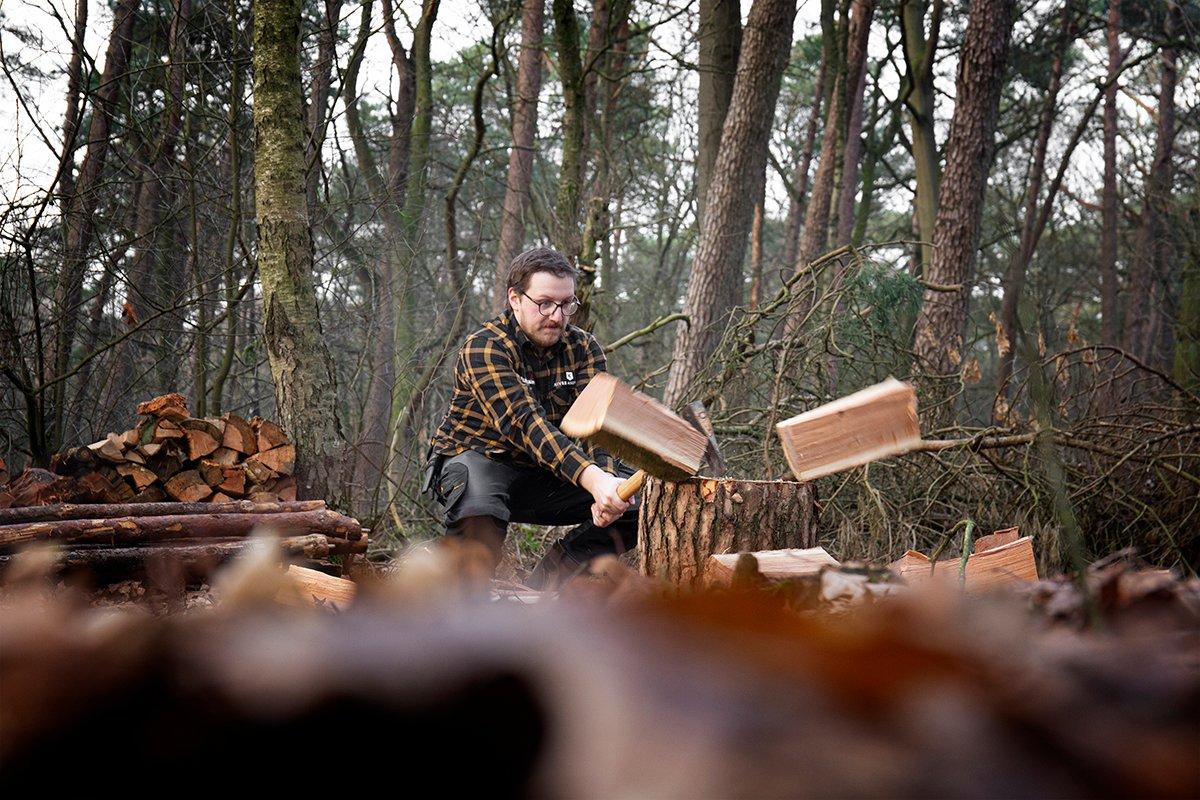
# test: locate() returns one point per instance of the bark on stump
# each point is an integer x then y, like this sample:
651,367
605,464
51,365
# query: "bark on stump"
682,524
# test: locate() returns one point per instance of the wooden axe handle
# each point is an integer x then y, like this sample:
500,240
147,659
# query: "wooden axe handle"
631,485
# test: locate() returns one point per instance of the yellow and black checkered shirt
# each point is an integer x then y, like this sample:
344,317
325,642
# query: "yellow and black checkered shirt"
509,398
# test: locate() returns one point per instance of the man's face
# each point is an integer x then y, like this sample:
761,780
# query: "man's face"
543,286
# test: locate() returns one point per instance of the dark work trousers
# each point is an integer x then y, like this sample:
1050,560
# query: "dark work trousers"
480,496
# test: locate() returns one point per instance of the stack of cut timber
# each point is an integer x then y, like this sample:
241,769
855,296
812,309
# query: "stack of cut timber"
170,455
122,539
999,559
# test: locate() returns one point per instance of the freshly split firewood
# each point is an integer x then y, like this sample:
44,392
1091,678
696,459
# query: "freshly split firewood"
170,454
317,588
239,435
877,422
135,530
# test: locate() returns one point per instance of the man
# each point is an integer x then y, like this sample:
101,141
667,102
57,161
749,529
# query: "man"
499,457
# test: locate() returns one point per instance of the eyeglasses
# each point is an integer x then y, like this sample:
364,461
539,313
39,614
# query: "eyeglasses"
547,307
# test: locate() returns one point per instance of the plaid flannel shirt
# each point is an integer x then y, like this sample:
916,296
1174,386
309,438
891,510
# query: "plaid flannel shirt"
509,398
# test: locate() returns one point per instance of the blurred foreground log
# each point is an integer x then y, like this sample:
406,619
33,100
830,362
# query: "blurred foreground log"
714,695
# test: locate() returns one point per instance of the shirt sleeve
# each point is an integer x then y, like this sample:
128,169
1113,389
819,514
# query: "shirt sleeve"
516,413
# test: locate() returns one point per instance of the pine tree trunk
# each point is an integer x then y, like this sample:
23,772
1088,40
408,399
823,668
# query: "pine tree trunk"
720,38
856,71
796,203
520,157
919,51
305,388
682,524
715,287
1110,331
1149,261
969,150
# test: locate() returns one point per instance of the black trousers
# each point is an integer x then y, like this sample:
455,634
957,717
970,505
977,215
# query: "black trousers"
472,488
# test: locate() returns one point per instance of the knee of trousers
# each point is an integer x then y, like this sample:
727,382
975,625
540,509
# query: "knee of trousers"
472,485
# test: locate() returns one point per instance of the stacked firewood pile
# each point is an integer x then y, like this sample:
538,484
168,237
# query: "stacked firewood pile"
170,455
174,493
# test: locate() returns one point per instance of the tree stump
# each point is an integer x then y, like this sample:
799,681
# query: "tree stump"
682,524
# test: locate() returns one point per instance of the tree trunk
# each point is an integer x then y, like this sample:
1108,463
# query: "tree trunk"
1110,330
919,96
856,77
796,203
77,221
720,39
716,281
682,524
71,118
520,157
317,113
301,367
1149,261
816,216
570,177
969,150
1018,265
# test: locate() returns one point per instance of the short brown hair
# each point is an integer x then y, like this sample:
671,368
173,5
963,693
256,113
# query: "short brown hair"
538,259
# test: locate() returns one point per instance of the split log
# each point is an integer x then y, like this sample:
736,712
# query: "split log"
66,511
170,406
225,456
140,476
1003,565
875,423
280,460
684,523
110,448
133,530
188,487
258,472
317,588
239,435
773,565
165,430
202,437
270,435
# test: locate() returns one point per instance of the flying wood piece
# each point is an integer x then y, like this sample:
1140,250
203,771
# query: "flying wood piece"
875,423
637,428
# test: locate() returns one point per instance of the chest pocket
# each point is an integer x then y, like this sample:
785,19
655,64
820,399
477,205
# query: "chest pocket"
559,399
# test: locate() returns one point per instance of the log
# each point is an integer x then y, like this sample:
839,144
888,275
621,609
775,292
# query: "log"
315,588
270,435
875,423
170,406
280,460
1005,565
215,524
682,524
773,565
258,472
233,480
39,487
140,476
198,557
202,437
110,448
66,511
188,487
225,456
997,539
239,435
165,430
212,472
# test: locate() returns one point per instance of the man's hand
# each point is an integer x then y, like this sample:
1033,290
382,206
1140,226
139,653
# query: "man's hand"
603,488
